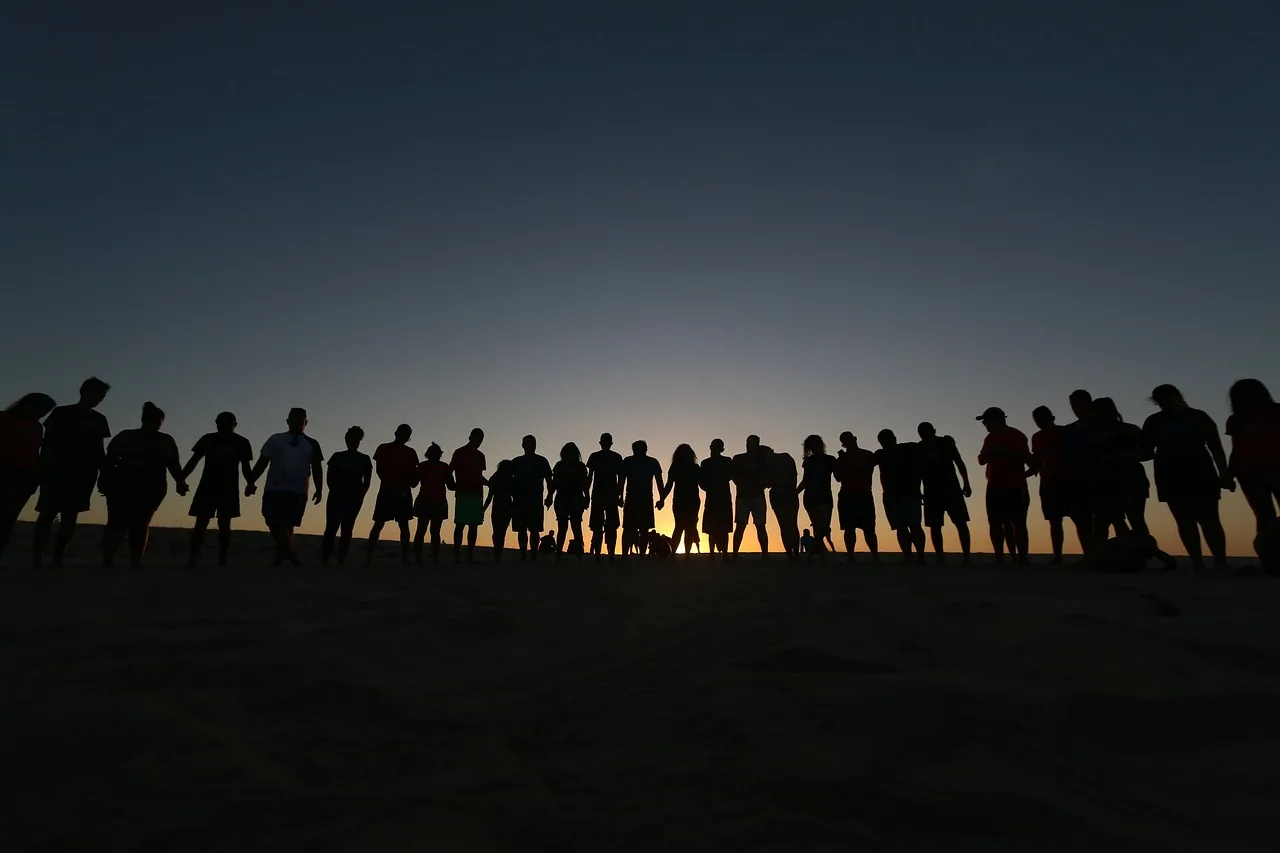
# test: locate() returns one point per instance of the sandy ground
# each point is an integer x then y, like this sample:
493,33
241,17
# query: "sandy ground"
697,706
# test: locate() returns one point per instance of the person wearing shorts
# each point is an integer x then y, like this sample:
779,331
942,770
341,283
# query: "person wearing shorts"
944,494
819,467
750,476
500,491
900,481
225,456
604,467
71,455
397,466
639,473
855,504
350,474
1007,456
432,506
529,474
468,466
20,437
1055,488
290,460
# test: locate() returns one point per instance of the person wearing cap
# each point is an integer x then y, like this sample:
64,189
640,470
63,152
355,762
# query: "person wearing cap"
717,513
397,466
900,483
226,455
1007,456
604,466
855,504
290,459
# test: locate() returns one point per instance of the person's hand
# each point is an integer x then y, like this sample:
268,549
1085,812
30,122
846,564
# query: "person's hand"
968,491
660,504
183,489
316,500
250,490
547,503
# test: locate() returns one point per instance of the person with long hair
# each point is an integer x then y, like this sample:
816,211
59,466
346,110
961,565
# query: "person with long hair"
568,494
350,475
1254,427
684,479
785,501
715,478
432,505
225,456
1121,487
819,502
134,483
20,437
1191,471
71,457
501,488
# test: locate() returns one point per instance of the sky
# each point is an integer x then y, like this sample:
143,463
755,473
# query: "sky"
671,221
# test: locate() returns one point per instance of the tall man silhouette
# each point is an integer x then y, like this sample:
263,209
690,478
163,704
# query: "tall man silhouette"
604,468
294,460
397,466
750,476
944,495
468,467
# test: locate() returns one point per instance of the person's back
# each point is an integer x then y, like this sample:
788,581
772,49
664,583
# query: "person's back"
528,473
1046,448
1006,451
433,474
639,473
750,473
73,437
349,471
685,478
140,458
606,466
570,477
395,465
937,465
855,468
225,453
1180,439
899,469
716,476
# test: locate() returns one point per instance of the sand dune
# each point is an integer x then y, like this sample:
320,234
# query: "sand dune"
695,706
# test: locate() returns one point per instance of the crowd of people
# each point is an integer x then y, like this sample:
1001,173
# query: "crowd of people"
1089,471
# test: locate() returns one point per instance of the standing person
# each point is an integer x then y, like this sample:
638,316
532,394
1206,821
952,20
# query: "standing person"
468,467
569,495
528,474
1254,427
71,457
1055,480
750,472
1078,467
819,466
350,475
290,460
900,483
397,466
432,505
604,467
225,456
639,472
501,489
1191,471
134,483
784,498
716,477
683,479
856,504
944,495
1006,455
1121,487
20,437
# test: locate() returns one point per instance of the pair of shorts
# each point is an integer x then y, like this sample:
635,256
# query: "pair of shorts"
216,502
342,509
431,510
819,515
527,515
604,513
939,506
1055,502
283,509
394,504
128,507
1007,504
750,508
638,515
857,510
468,509
500,517
67,491
902,509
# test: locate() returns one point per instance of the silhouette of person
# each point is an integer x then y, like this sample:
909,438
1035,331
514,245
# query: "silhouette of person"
71,457
1121,487
750,473
900,485
468,467
604,467
501,490
134,483
350,475
856,504
1254,428
397,466
806,542
639,472
819,467
784,498
225,456
547,545
432,505
717,516
944,495
1056,488
683,481
1191,471
1078,467
569,493
1007,456
528,474
290,459
20,435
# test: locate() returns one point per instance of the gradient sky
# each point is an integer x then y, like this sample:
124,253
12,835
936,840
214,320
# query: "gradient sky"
673,221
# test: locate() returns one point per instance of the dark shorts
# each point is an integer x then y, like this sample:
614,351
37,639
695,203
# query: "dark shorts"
342,509
938,506
17,485
431,510
604,513
1007,504
131,506
216,501
393,505
283,509
857,510
1194,487
638,515
66,491
820,514
750,508
1055,502
570,507
902,510
500,517
527,515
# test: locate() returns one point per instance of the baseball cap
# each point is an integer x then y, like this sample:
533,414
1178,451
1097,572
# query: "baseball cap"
993,413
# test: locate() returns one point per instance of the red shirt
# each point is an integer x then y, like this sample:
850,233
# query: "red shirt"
19,442
396,462
854,470
468,469
1046,447
434,477
1255,443
1005,452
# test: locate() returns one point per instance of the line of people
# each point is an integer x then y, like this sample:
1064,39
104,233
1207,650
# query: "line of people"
1089,471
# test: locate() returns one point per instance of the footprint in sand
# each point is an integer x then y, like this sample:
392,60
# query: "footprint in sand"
807,660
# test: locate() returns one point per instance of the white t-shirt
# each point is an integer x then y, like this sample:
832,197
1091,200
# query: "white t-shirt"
291,458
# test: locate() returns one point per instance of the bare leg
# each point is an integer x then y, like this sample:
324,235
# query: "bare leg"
576,525
522,538
348,529
419,538
112,535
404,542
966,541
374,535
562,529
917,539
1214,536
762,536
1056,538
197,540
904,541
436,525
611,542
935,533
873,544
1189,532
66,531
139,534
41,535
224,540
996,530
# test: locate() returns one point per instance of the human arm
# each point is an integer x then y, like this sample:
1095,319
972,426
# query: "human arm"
197,453
662,488
552,485
175,470
251,479
964,470
317,471
1214,442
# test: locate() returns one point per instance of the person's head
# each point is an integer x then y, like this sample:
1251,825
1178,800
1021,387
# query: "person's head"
530,445
32,407
1248,397
606,441
926,431
813,445
404,432
297,420
993,418
848,440
225,422
684,455
886,438
717,446
1167,397
354,436
152,416
93,391
1042,416
434,452
1081,404
806,532
503,468
570,453
1104,409
640,447
753,443
476,438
